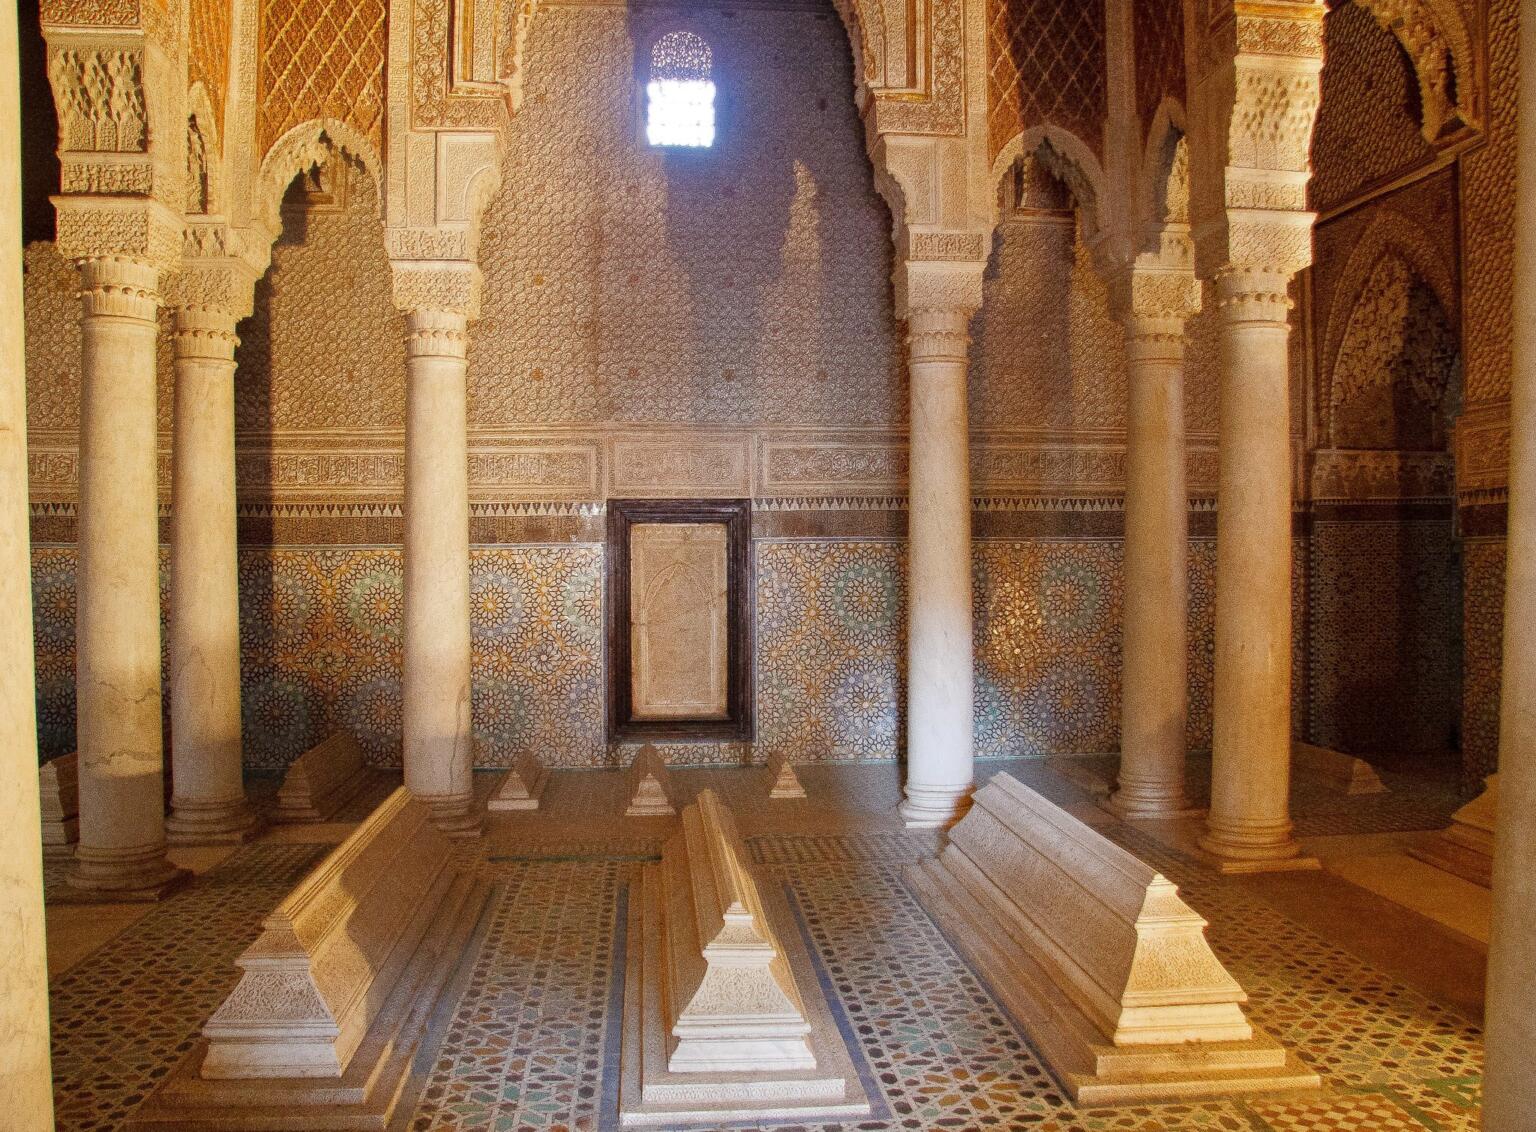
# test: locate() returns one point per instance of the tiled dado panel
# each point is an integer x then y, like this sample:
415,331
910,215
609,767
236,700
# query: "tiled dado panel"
831,647
320,644
320,650
1483,606
1384,633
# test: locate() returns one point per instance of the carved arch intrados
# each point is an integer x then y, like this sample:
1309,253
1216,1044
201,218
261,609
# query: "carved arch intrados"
1433,33
301,148
200,112
1170,128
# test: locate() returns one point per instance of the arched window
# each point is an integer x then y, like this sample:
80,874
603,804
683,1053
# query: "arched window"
680,96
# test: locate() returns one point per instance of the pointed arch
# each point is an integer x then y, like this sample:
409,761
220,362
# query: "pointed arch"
1072,159
305,145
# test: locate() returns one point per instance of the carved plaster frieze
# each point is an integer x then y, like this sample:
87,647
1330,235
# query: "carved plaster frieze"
1354,474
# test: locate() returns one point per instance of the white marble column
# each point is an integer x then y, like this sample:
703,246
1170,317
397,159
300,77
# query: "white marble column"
939,654
1249,826
208,803
438,752
25,1080
1509,1082
1154,695
117,626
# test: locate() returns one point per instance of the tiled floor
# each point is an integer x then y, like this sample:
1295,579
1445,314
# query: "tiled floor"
532,1042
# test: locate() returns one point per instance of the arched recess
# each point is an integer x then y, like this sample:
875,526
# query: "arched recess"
1071,160
205,155
1163,187
1390,234
1445,62
299,149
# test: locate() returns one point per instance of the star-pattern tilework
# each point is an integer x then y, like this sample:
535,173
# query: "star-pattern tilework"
124,1016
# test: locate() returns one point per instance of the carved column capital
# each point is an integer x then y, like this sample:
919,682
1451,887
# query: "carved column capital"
431,332
95,227
939,334
1254,294
928,285
1153,302
206,333
119,287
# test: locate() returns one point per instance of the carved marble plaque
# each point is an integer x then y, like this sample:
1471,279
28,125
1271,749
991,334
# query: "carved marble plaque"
678,620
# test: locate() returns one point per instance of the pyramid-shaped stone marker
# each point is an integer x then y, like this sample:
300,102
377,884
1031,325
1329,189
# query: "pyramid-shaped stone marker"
1465,847
785,782
521,787
650,794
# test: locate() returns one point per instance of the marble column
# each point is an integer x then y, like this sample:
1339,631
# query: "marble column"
1249,826
208,803
25,1078
117,626
438,753
1509,1081
1154,693
939,657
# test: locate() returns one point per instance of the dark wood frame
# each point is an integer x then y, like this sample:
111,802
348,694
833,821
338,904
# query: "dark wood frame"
736,516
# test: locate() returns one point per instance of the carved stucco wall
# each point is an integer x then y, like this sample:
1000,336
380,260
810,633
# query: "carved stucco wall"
744,284
1157,29
320,59
1383,562
208,25
325,348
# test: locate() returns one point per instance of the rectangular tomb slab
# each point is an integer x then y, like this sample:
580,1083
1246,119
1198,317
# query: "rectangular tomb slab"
724,1018
1096,957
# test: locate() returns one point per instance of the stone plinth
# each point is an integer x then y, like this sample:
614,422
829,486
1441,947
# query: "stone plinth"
322,780
650,786
1465,847
58,782
1339,771
723,1017
1096,956
785,782
333,1005
521,787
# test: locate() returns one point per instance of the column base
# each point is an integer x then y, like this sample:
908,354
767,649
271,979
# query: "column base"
1256,849
934,807
1130,807
211,823
456,817
108,876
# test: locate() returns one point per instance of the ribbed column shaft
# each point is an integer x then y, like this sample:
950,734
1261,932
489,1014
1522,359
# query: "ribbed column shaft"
1154,695
1251,742
1509,1082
